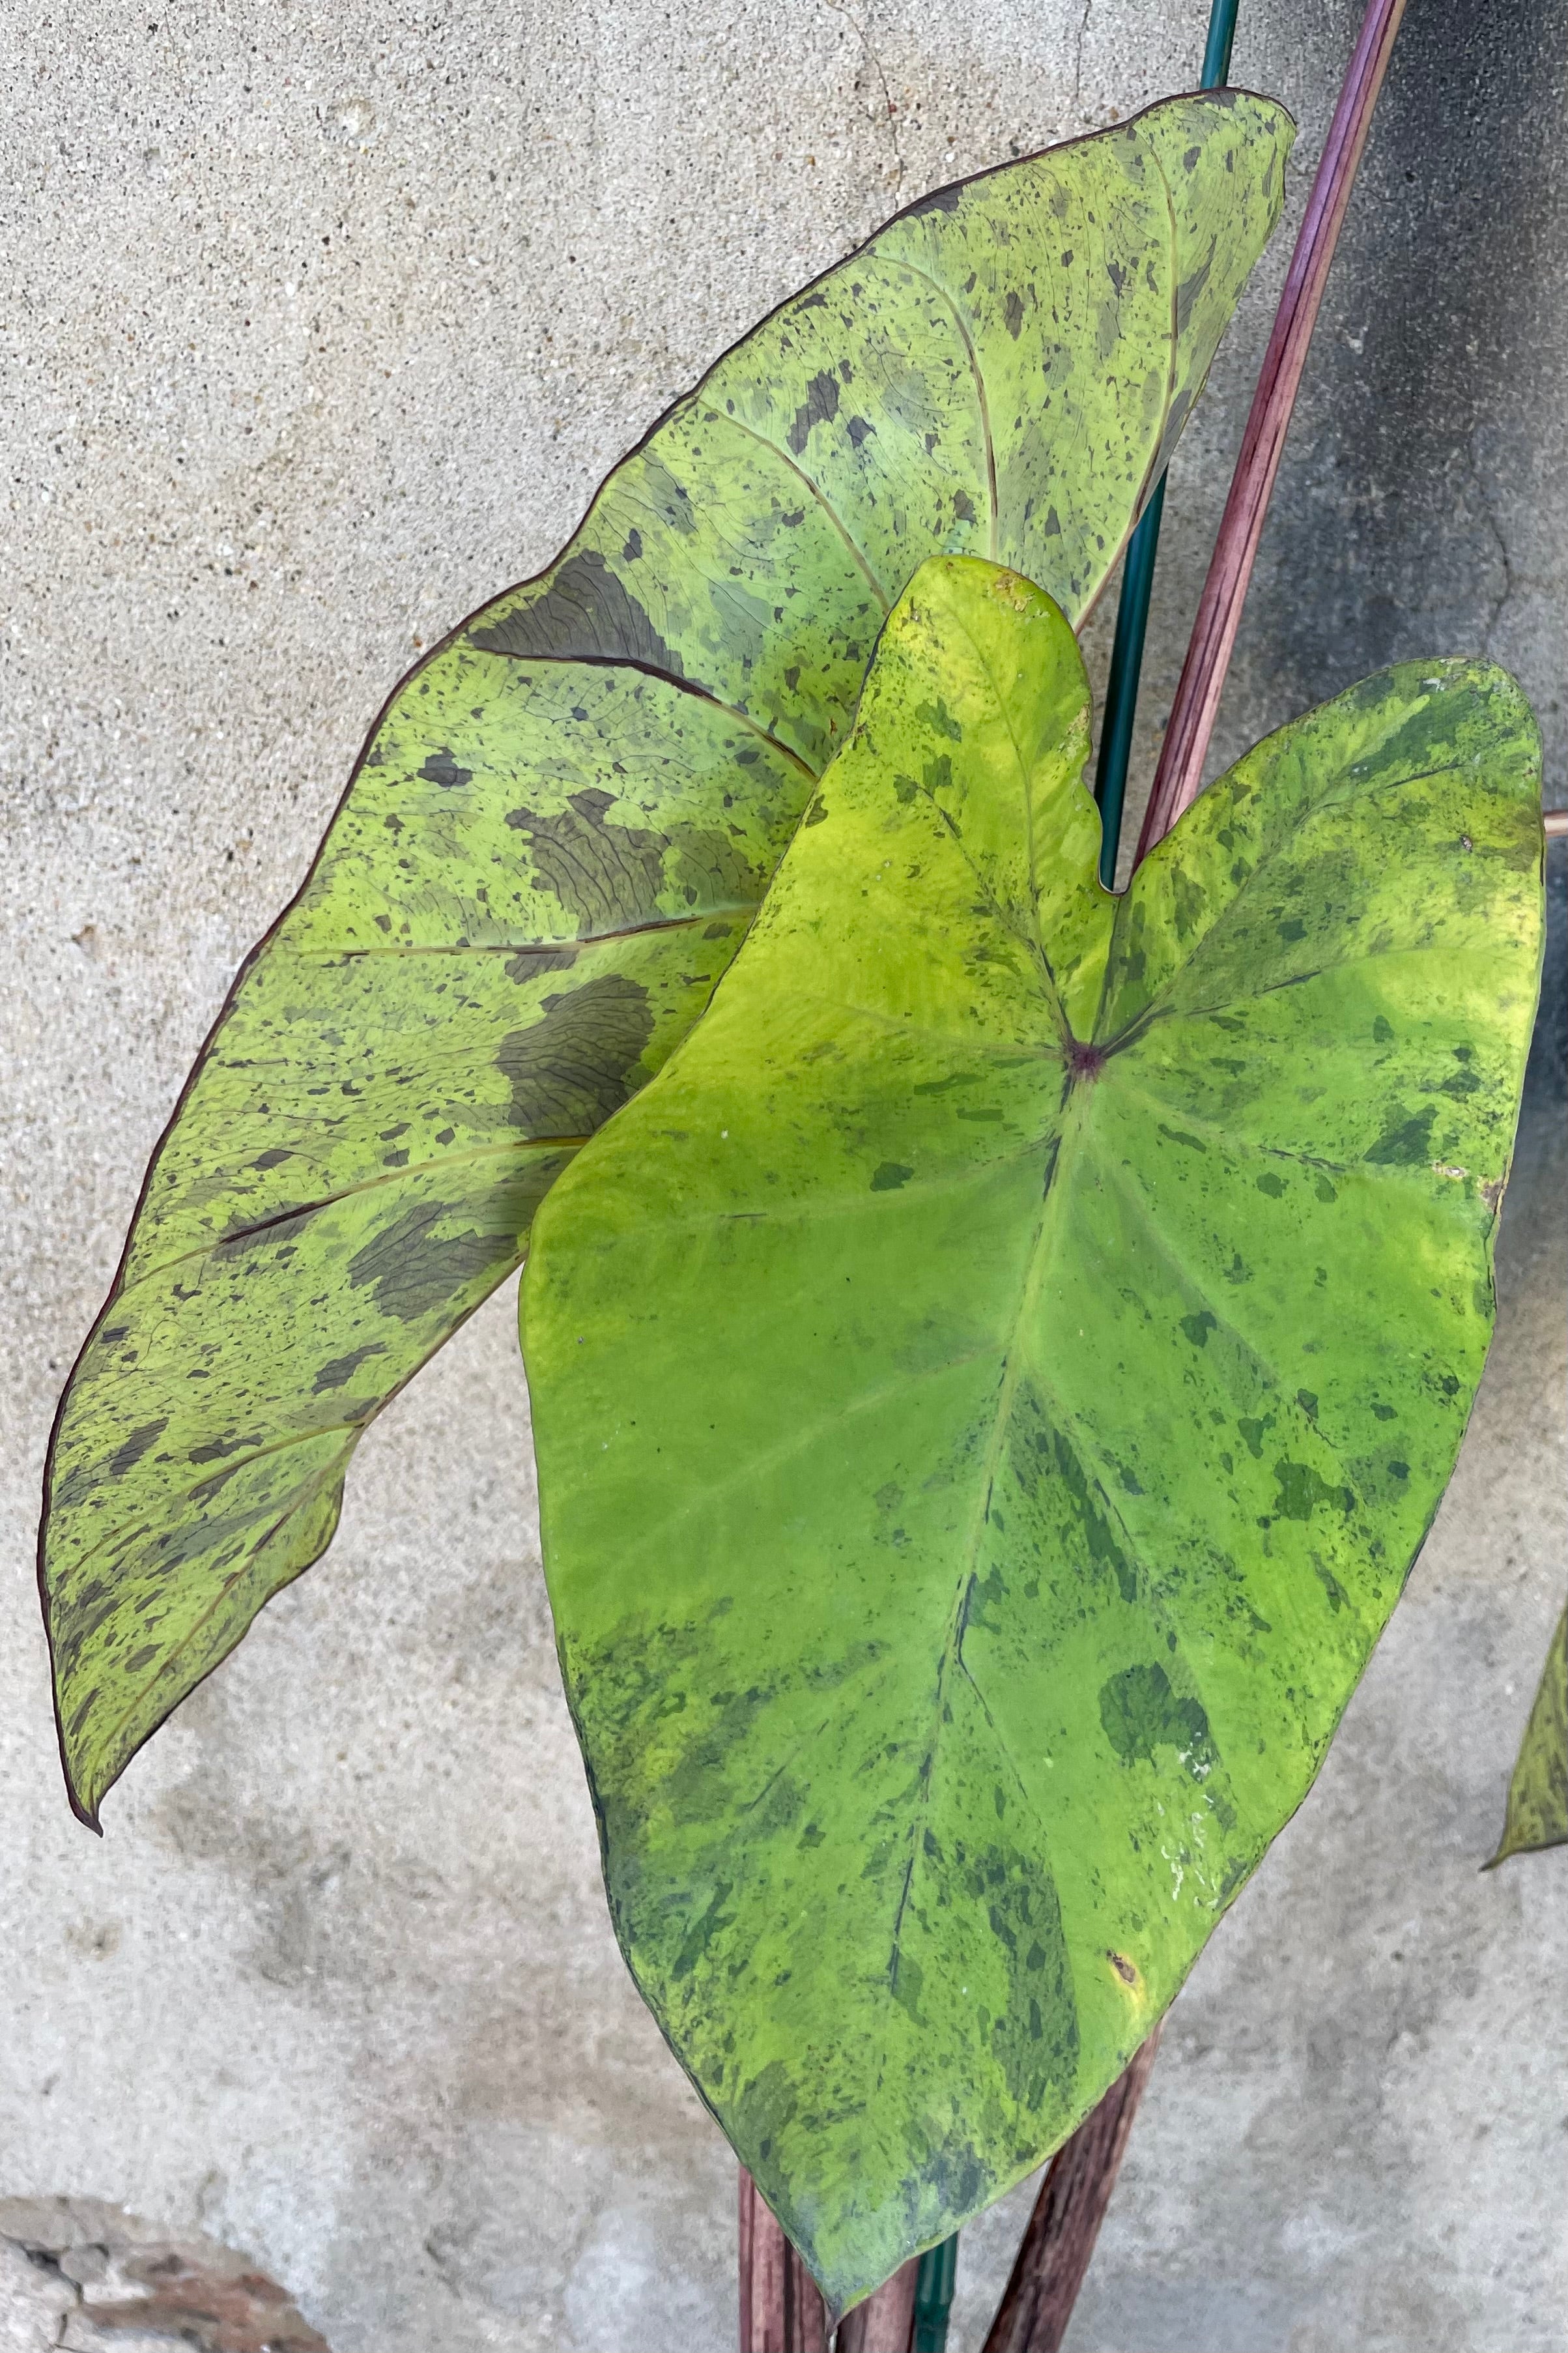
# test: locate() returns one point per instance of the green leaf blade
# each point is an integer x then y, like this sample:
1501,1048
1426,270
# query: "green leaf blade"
557,834
1537,1815
990,1388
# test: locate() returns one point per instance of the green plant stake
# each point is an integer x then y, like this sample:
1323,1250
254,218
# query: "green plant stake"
1218,46
990,1388
1138,572
556,838
934,2284
1121,685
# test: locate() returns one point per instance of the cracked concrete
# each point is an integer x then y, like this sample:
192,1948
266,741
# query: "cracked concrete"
326,325
887,115
1078,55
1505,592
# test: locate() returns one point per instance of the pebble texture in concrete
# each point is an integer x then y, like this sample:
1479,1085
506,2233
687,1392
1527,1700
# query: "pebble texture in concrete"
324,325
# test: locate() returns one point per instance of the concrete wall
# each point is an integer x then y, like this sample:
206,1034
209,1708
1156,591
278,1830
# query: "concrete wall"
325,323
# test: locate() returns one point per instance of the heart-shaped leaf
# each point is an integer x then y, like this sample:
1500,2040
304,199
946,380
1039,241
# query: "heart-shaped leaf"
556,838
990,1388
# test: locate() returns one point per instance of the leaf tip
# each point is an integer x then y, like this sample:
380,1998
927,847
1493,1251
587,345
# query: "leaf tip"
86,1802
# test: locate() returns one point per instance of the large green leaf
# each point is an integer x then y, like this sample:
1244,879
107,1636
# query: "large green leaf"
557,835
990,1388
1537,1813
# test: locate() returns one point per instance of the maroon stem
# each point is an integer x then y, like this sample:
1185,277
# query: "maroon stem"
884,2322
781,2309
1179,777
1033,2315
1054,2255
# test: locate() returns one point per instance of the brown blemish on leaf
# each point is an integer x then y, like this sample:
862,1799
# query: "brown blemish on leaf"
1007,588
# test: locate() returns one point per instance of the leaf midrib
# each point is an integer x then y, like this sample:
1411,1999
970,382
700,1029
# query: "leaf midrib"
861,560
1053,1191
570,942
981,402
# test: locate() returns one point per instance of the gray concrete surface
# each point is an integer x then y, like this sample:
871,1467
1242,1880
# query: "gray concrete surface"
323,324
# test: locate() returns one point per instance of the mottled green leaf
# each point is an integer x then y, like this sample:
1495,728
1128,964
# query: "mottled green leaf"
1538,1793
557,835
990,1388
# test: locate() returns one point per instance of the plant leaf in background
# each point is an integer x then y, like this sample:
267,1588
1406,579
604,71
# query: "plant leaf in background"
556,838
990,1388
1538,1793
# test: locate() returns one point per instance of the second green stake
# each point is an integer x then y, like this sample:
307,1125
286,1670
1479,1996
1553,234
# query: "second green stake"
1138,572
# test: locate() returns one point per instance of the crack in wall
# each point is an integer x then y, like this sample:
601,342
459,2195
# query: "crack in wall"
890,111
1078,59
1488,509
